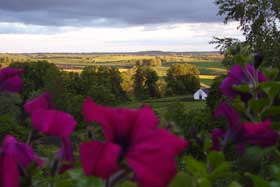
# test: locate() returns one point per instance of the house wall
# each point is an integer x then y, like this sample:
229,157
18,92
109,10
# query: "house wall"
196,95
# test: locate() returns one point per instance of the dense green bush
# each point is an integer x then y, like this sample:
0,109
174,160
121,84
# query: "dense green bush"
145,83
182,79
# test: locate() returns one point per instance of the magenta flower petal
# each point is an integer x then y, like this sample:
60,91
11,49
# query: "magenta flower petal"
259,134
10,80
235,76
261,75
161,141
13,155
9,173
150,151
145,123
41,102
153,169
12,84
66,155
99,159
100,114
154,160
54,123
22,152
232,116
217,136
9,72
116,122
94,112
242,133
239,75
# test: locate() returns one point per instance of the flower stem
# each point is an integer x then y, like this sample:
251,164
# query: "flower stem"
107,183
29,138
117,177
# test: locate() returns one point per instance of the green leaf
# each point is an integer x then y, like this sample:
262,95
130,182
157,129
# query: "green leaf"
259,104
220,172
65,183
271,73
215,159
195,167
128,184
255,153
243,88
183,180
271,88
234,184
238,104
276,171
204,182
242,59
273,110
258,181
81,180
275,184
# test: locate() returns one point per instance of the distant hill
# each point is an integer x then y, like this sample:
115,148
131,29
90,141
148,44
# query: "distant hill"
153,53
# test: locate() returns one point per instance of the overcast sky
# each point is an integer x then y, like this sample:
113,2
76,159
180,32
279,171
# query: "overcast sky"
110,25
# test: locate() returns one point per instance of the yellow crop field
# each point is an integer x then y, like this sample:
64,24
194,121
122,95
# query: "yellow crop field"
207,76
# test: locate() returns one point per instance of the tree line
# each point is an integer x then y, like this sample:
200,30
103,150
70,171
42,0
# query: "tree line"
105,85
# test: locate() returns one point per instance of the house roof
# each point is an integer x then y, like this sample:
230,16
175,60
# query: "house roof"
205,90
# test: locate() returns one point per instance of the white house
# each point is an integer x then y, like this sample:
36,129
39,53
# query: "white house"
201,94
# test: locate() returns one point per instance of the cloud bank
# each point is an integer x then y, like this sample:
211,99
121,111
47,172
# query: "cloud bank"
107,12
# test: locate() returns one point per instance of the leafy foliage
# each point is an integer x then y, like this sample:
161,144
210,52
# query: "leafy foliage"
182,79
259,21
145,83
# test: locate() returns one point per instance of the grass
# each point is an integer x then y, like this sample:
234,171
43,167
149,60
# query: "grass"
206,82
161,105
210,68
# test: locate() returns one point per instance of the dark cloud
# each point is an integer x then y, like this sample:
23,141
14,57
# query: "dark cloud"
107,12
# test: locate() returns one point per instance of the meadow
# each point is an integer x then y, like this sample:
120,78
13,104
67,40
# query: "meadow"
161,105
209,63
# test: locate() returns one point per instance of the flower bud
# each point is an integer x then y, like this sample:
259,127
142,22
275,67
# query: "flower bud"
258,59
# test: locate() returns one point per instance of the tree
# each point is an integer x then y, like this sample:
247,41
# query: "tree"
259,21
231,49
72,82
6,60
39,75
149,62
139,81
127,81
151,83
182,79
105,82
145,83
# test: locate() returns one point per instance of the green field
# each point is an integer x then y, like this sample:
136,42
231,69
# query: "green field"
208,71
208,63
161,105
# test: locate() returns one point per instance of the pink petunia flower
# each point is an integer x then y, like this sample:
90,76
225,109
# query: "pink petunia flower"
10,79
15,155
239,75
55,123
242,134
217,137
134,136
48,120
41,102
